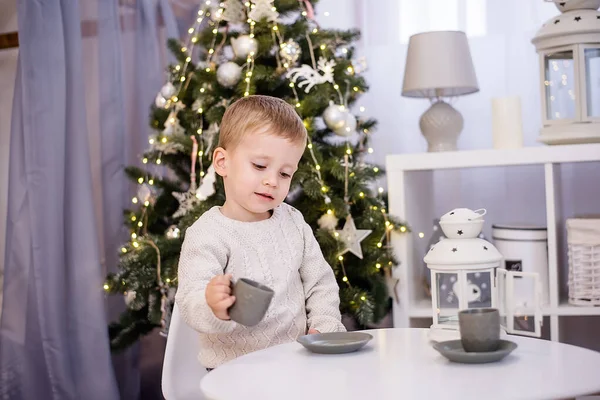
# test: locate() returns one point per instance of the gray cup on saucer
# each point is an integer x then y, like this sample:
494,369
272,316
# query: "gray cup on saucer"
479,329
252,300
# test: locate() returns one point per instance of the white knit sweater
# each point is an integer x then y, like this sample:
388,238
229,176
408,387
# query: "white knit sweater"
280,252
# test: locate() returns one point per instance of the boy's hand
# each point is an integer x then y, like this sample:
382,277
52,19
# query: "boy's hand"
313,331
218,295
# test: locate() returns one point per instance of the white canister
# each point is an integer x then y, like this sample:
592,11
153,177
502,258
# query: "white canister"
524,248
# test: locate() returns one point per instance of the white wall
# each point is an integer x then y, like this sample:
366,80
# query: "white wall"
8,70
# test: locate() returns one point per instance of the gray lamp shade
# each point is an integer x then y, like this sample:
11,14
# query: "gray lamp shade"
439,64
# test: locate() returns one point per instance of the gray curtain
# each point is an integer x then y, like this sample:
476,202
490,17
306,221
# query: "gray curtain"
122,144
53,336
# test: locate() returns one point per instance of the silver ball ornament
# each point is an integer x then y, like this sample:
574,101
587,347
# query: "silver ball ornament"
243,45
290,51
349,125
335,116
229,74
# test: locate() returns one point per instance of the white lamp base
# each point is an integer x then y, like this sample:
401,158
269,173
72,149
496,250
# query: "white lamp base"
441,125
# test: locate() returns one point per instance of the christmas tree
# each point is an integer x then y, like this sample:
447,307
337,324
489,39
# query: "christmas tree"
238,49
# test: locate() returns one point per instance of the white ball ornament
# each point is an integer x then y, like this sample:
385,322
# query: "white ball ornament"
335,116
229,74
328,222
243,45
349,126
168,90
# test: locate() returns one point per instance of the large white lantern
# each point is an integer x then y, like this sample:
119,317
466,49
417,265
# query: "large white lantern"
569,51
465,274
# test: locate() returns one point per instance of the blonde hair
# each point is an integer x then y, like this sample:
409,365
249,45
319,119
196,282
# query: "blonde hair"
258,114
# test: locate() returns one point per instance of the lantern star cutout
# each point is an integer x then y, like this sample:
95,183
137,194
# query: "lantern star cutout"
352,237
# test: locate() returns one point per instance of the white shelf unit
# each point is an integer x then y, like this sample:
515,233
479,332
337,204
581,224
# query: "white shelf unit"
412,197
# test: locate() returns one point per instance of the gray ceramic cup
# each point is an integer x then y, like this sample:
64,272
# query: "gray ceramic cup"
479,329
251,302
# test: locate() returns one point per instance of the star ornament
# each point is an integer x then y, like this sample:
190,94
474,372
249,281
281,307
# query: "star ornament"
187,201
352,237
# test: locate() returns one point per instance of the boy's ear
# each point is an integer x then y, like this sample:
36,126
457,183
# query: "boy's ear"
220,161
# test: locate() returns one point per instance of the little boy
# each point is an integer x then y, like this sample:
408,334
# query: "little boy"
255,235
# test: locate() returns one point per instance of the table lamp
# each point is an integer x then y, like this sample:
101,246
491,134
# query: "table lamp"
439,66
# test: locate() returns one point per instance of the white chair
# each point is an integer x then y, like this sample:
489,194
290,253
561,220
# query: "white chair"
182,371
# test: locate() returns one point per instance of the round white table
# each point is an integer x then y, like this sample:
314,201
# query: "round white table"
401,364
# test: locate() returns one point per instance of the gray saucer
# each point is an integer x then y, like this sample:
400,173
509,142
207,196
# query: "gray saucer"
453,351
335,342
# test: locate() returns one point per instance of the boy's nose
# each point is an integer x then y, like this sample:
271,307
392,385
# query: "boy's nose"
270,181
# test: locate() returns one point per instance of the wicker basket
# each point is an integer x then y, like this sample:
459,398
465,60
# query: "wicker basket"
583,238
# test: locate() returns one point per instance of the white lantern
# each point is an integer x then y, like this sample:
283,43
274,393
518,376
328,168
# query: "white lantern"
465,275
569,53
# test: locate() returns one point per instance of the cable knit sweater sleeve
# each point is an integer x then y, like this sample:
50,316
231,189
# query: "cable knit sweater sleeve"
321,291
202,257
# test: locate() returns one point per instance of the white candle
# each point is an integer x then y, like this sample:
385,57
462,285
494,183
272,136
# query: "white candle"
507,125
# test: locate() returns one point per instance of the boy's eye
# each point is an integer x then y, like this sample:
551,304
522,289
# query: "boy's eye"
284,175
258,166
